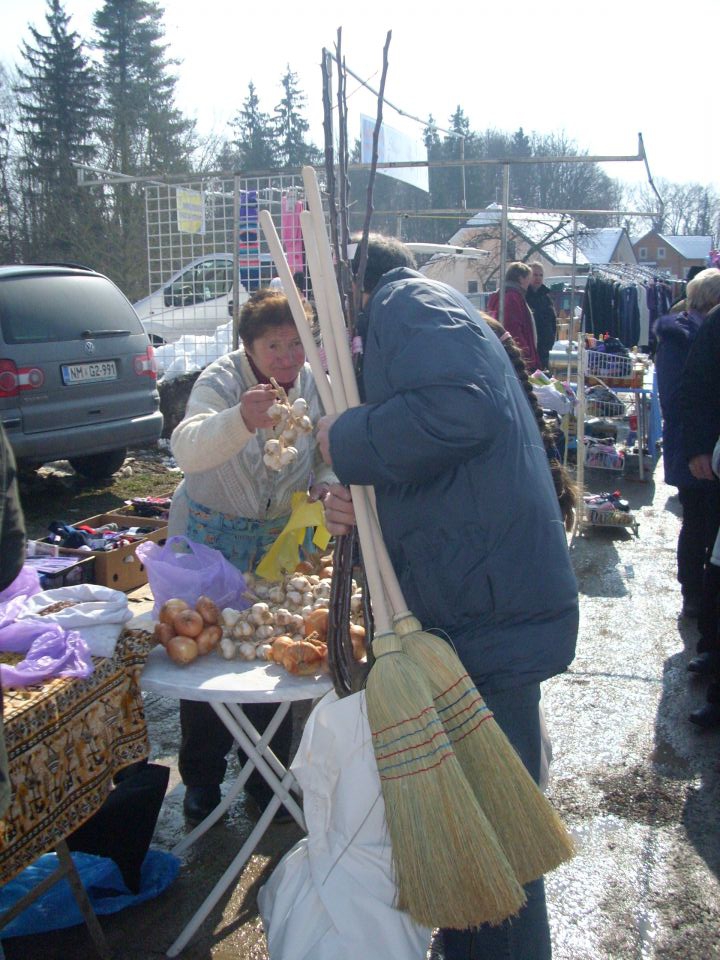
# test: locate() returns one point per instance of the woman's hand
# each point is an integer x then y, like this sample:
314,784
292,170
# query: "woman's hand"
254,406
339,510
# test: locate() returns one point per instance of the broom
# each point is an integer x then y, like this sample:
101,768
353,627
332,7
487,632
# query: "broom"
449,868
528,828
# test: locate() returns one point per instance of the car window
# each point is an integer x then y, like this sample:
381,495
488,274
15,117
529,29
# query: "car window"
204,281
37,309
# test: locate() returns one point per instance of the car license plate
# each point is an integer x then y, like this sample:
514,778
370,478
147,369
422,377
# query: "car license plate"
89,372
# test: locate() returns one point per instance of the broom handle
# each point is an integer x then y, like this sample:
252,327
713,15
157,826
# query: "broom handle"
296,307
320,283
335,310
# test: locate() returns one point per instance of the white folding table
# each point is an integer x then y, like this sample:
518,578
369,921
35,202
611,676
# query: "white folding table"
227,685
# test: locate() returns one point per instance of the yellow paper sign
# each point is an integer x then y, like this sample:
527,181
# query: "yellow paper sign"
283,555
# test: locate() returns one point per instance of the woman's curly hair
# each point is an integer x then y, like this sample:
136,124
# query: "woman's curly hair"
565,488
266,309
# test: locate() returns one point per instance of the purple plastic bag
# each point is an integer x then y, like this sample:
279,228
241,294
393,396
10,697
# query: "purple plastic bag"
25,584
51,652
188,570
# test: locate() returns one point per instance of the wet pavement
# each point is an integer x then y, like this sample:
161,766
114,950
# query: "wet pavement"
638,785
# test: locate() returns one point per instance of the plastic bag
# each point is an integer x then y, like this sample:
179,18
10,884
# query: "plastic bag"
25,584
188,570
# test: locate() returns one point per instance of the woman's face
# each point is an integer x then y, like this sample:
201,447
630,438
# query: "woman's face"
278,353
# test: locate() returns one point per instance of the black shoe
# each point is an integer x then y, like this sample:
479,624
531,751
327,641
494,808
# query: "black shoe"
199,802
707,717
705,664
255,804
690,609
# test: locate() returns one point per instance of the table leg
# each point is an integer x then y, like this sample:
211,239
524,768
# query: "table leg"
281,781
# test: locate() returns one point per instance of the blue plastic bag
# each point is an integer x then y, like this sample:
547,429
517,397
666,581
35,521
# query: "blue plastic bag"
57,908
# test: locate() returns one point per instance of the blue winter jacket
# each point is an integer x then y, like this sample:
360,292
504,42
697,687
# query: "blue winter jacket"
465,497
675,334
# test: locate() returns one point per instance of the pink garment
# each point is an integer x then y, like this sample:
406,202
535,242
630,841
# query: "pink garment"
518,320
290,232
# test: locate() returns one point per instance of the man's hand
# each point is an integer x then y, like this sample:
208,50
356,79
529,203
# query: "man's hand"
323,437
339,510
254,406
701,467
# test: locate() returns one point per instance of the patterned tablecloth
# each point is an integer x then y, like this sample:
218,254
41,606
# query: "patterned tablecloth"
65,740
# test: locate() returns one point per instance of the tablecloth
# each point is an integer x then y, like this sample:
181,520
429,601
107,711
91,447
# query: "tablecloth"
65,739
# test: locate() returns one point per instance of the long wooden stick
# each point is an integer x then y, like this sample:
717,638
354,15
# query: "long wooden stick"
296,307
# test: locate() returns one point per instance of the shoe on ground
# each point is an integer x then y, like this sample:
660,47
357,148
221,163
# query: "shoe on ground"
255,806
705,664
707,717
200,801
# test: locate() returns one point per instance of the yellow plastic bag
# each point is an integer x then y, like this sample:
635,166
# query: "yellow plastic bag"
284,555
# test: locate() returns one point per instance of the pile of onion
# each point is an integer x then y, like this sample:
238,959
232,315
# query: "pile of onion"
188,633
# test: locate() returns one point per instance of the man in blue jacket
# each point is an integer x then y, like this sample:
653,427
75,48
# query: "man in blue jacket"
468,512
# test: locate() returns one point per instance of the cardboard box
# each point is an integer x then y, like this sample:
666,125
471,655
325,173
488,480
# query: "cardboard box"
120,568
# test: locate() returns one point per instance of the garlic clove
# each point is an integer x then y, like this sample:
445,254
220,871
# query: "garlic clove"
299,407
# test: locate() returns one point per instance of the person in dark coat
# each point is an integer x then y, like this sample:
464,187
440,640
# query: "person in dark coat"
468,511
518,318
700,498
700,409
539,301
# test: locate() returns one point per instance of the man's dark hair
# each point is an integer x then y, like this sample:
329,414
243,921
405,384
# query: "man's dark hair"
384,253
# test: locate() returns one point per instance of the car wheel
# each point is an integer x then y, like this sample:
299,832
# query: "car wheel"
98,466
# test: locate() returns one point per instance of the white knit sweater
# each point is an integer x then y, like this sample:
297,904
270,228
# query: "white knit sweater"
223,461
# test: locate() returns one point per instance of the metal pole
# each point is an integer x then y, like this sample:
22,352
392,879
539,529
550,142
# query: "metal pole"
236,263
503,241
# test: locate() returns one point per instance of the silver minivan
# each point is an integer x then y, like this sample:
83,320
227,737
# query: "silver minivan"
78,379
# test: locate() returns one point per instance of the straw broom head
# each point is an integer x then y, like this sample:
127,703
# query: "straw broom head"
530,832
449,868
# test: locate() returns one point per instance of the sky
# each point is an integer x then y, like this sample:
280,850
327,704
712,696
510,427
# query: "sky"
600,73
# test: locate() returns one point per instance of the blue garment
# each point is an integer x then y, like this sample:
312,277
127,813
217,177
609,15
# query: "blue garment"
241,541
527,936
466,501
675,333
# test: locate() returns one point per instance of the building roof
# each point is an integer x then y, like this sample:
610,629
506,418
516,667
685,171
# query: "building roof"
534,227
600,244
691,248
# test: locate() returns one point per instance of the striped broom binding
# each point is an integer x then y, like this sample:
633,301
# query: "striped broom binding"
531,834
450,870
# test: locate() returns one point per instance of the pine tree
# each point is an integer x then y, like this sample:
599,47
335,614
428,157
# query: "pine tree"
144,132
57,93
290,126
254,134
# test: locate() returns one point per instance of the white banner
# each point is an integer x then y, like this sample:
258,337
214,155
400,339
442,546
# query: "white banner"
394,146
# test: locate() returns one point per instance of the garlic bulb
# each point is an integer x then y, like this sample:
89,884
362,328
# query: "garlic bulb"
246,650
229,617
227,648
243,630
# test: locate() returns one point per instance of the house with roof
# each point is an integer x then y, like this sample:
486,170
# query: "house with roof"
671,254
546,237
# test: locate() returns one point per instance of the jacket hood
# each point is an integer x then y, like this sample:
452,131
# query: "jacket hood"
681,326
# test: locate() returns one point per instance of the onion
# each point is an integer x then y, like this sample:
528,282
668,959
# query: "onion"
182,650
208,639
208,610
163,632
170,608
188,623
317,620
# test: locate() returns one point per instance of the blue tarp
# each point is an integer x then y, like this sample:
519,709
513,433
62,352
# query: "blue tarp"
57,908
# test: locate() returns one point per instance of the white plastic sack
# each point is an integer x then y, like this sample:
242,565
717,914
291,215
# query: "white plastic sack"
98,614
331,897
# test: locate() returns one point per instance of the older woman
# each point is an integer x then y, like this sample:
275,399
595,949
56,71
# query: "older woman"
233,502
518,318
